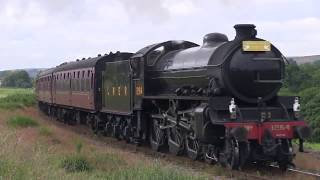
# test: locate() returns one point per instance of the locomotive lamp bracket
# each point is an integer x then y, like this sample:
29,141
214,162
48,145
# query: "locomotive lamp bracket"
296,107
233,109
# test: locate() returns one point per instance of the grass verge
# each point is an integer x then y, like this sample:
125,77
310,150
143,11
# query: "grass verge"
313,146
76,163
21,121
45,131
11,170
14,101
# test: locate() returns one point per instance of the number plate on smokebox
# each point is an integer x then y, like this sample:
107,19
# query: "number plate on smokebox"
256,46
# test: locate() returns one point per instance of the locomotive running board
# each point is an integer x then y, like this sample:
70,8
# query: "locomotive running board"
196,98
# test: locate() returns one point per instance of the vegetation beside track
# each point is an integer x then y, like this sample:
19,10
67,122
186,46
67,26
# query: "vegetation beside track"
33,149
12,98
304,81
47,151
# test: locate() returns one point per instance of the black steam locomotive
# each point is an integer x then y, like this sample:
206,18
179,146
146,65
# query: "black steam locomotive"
216,102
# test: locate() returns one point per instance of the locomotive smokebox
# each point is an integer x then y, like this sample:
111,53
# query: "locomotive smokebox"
245,31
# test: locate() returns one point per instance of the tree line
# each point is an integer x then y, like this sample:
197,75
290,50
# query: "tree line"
304,81
17,79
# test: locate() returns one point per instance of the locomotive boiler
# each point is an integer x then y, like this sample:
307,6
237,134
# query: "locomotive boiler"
216,102
222,67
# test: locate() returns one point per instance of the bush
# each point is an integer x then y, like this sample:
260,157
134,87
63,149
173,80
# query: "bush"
304,80
76,163
21,121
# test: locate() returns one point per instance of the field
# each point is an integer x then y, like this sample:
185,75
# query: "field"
4,92
34,146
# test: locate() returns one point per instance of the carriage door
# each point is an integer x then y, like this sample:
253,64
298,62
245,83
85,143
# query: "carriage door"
117,87
54,87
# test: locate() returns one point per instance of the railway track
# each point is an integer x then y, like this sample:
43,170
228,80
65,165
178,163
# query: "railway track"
299,171
316,175
269,172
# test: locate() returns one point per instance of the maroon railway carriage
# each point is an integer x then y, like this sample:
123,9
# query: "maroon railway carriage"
44,86
73,90
73,84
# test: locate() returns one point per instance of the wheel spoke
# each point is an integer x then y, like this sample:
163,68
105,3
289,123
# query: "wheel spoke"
175,142
193,148
230,154
156,136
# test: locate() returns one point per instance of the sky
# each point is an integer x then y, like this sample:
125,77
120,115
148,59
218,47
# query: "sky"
45,33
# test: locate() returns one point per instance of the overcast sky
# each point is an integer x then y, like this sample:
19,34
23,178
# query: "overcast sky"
44,33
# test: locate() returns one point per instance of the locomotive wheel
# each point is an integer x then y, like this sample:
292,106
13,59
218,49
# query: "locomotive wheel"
210,155
108,129
284,159
230,156
244,152
156,136
175,141
94,126
116,132
193,147
127,133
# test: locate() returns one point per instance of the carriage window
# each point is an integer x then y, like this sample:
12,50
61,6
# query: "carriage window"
91,80
154,55
88,73
83,72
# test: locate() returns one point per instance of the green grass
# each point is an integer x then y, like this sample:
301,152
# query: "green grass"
16,98
113,167
45,131
76,163
154,172
9,91
313,146
21,121
11,170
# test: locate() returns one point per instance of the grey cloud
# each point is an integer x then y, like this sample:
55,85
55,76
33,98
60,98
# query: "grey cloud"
45,33
151,10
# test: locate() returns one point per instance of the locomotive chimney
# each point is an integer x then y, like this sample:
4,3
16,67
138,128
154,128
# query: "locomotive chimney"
245,31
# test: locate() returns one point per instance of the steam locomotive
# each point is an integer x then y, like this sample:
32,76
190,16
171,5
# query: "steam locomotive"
216,102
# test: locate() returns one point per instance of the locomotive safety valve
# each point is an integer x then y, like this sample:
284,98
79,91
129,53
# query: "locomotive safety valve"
233,109
296,108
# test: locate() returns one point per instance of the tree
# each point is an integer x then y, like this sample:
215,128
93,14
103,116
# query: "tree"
19,79
296,78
